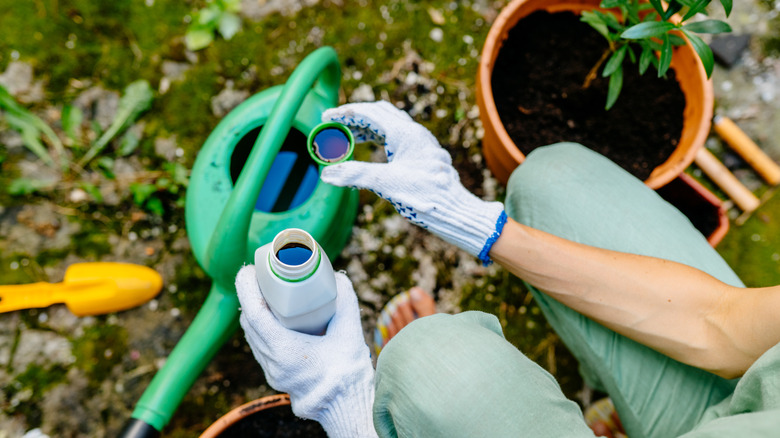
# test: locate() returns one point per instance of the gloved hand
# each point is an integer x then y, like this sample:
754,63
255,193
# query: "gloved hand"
418,178
330,378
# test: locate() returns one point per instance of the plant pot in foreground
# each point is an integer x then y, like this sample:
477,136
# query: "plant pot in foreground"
266,417
501,153
702,207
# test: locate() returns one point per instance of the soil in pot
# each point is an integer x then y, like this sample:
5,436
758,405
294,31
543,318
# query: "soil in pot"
276,422
538,89
703,215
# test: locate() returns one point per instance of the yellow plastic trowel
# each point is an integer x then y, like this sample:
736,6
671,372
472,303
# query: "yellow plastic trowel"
88,289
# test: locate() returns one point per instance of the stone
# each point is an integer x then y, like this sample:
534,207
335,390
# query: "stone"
227,99
363,93
728,48
166,147
99,104
42,348
18,80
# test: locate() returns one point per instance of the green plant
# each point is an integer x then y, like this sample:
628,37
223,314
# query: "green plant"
32,129
150,195
653,30
136,99
218,16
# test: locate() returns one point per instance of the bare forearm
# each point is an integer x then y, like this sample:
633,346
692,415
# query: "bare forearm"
672,308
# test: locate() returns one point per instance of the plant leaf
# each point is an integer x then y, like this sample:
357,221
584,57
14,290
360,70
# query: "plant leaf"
32,129
631,55
229,25
129,144
209,16
708,26
198,38
154,205
726,6
179,173
694,8
232,5
92,190
136,99
658,6
25,186
106,164
704,51
615,61
141,192
71,121
645,59
666,56
674,7
30,137
607,4
615,85
596,23
676,40
646,30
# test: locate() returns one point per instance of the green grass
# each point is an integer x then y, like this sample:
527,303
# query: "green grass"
753,249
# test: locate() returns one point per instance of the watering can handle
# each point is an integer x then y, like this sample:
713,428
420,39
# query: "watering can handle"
217,320
319,72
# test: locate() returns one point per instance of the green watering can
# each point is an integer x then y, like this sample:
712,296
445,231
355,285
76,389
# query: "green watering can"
252,179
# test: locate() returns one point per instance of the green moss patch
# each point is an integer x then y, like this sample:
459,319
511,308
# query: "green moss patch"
99,349
24,394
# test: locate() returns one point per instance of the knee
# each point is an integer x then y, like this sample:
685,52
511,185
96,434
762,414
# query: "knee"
562,178
549,165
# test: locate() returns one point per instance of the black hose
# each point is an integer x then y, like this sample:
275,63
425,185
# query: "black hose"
135,428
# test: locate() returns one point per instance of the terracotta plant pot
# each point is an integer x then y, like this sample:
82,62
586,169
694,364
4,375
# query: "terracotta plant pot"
277,402
703,208
501,153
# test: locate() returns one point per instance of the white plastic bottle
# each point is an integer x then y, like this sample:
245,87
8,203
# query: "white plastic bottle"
297,281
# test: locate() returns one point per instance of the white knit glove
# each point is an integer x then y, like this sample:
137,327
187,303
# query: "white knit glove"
418,178
330,378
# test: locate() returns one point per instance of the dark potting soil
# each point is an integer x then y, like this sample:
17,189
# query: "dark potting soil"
276,422
703,215
538,82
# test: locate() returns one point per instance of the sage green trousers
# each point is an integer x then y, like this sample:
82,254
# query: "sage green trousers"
456,375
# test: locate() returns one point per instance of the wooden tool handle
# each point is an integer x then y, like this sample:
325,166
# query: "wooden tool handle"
749,150
718,173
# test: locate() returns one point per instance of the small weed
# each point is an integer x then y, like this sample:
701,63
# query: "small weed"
32,129
218,16
170,185
136,99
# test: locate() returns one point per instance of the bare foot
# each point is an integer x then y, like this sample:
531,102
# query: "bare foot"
400,311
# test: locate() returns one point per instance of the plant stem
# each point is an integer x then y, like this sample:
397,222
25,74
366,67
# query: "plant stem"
593,73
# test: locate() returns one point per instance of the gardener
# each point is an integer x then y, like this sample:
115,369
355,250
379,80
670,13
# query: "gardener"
654,316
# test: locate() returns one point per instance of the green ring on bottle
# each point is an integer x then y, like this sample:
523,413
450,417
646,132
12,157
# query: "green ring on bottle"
327,125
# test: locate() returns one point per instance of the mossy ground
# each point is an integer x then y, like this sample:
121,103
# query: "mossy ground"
77,44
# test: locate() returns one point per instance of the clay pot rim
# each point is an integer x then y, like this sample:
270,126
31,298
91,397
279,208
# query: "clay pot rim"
243,411
508,18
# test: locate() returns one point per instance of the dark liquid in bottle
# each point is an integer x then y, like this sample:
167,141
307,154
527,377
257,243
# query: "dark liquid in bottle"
294,254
